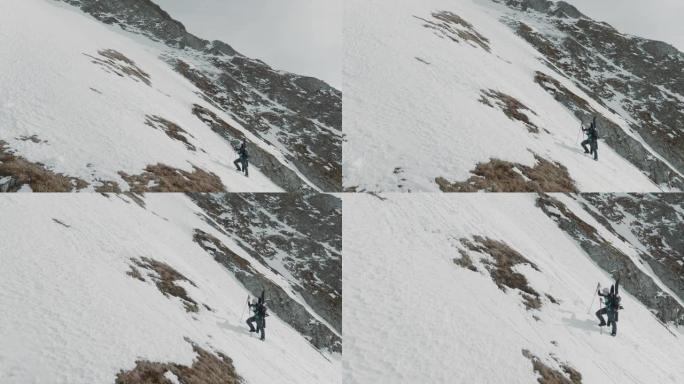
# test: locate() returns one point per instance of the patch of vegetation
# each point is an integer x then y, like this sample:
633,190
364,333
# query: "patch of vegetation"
116,62
549,375
165,278
36,175
162,178
207,368
500,269
503,176
171,129
449,25
511,107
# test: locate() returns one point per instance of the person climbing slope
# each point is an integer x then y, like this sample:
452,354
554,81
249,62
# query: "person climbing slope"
592,139
611,301
243,158
259,309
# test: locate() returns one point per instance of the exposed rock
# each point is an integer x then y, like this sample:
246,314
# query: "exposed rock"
613,261
655,220
643,77
301,116
277,300
296,235
268,164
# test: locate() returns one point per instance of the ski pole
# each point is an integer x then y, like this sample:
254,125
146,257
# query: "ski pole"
242,315
593,297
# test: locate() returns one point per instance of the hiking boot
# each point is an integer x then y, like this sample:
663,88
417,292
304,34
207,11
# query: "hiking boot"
601,324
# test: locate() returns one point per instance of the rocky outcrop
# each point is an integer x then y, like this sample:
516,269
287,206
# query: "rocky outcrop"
642,77
298,236
613,261
655,221
268,164
300,116
613,135
277,300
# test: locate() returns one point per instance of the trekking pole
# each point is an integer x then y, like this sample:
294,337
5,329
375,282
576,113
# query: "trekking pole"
578,134
593,297
242,315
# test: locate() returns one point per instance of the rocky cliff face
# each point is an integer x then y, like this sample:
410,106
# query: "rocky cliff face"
300,116
637,78
299,237
610,211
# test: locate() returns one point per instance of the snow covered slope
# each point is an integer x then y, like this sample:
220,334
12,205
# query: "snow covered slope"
111,104
455,96
497,288
101,288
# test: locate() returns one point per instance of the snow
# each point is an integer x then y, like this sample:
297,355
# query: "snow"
412,315
92,121
72,315
426,118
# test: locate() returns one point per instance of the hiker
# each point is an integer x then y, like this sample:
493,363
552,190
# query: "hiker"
259,309
611,301
592,137
243,159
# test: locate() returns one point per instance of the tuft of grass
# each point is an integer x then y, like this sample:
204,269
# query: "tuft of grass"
36,175
165,278
510,106
207,368
162,178
116,62
501,269
503,176
172,130
549,375
454,27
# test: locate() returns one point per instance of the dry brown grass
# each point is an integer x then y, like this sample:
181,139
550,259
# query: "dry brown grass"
455,27
165,278
207,368
503,176
118,63
171,129
501,269
550,375
510,106
36,175
162,178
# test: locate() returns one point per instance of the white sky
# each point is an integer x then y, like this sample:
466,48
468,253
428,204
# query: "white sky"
300,36
652,19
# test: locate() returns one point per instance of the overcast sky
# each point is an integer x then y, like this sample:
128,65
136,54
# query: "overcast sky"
300,36
654,19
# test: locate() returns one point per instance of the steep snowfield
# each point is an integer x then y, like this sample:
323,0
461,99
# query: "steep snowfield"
412,101
413,315
91,122
71,314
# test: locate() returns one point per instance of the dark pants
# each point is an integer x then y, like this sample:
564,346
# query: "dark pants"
612,319
242,161
593,147
260,325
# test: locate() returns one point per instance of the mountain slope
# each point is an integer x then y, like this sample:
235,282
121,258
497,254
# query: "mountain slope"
130,101
103,287
446,96
498,288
